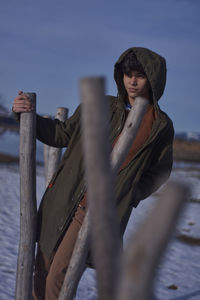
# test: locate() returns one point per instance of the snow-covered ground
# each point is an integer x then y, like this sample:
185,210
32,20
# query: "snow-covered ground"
180,267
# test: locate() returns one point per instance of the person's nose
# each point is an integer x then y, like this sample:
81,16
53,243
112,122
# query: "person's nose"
133,80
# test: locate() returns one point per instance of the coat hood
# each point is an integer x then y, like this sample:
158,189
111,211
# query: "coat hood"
154,67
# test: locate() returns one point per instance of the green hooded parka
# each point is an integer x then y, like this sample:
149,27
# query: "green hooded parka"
143,175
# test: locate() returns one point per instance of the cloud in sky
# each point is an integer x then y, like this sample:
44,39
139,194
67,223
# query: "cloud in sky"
46,46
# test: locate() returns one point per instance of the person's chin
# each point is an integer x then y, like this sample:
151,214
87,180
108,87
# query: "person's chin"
133,95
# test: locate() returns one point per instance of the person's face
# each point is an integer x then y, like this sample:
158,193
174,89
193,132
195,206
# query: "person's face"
136,84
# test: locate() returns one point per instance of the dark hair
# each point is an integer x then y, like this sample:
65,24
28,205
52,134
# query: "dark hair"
130,63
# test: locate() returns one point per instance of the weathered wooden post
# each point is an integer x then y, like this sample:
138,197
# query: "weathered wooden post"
52,154
100,185
129,132
28,210
130,129
46,158
146,246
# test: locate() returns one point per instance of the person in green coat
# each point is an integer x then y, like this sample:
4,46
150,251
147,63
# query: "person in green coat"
138,72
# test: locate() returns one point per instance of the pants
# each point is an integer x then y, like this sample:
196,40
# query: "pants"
48,278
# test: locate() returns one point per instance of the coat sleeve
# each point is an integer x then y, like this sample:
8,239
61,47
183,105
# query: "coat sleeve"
158,172
56,133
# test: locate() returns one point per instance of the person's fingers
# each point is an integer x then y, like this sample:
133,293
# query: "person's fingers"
23,96
21,105
22,99
18,108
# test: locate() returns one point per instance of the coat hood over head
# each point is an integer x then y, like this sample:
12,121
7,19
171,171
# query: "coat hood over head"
154,67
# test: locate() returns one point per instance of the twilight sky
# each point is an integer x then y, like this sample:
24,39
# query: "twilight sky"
47,46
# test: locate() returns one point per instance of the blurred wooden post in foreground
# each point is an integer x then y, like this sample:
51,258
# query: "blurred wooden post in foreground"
28,210
100,185
147,245
52,155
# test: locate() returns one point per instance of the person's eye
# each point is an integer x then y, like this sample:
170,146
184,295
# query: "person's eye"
129,75
140,75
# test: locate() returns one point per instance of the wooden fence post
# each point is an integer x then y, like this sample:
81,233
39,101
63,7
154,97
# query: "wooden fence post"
100,186
54,154
146,246
28,210
130,129
129,132
46,157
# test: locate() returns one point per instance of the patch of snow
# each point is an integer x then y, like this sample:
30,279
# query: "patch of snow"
180,265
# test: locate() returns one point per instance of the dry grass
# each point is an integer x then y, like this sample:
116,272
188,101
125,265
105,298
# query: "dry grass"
183,151
186,150
6,158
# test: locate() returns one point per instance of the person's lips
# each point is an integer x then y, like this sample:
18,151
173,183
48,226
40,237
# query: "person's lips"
132,90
